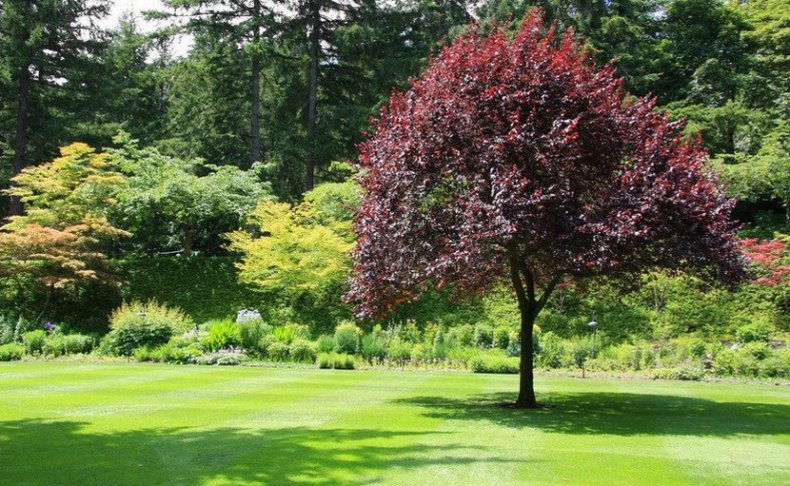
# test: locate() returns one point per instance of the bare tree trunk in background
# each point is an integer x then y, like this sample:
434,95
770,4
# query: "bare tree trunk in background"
315,48
20,139
255,111
189,238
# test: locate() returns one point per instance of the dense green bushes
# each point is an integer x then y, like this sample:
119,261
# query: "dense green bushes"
34,341
136,325
18,337
11,351
494,364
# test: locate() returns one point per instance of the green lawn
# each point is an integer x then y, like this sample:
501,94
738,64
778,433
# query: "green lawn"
113,424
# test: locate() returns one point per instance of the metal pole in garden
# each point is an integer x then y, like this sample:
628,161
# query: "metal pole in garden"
594,326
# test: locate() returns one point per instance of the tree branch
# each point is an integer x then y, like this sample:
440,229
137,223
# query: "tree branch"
518,286
547,293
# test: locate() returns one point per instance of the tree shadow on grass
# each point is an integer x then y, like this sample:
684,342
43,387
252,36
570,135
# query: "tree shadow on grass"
66,452
616,414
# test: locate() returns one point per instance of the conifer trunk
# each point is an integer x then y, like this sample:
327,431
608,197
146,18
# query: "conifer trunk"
312,101
255,110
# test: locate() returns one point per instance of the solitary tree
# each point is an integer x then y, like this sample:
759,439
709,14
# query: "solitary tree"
521,160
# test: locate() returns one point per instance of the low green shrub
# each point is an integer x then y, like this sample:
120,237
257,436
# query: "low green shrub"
463,335
54,345
552,349
494,364
11,351
125,340
303,351
725,362
222,334
326,343
776,365
262,348
421,353
251,332
336,361
347,337
57,344
325,361
759,350
759,331
288,332
398,351
229,359
278,351
374,348
34,341
683,373
500,337
181,350
78,343
137,325
484,336
144,353
344,362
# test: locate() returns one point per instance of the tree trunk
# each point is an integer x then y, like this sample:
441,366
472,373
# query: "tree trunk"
20,135
188,240
526,306
529,306
526,389
312,99
255,111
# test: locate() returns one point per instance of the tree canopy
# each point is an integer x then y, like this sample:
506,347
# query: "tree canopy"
521,159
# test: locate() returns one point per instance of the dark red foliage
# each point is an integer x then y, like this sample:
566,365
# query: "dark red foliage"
524,148
768,255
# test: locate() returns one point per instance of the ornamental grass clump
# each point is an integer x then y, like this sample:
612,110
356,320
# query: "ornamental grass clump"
222,334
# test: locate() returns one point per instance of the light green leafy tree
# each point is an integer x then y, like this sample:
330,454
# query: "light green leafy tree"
170,198
301,253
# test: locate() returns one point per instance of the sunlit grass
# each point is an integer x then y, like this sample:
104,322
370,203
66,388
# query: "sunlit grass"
119,424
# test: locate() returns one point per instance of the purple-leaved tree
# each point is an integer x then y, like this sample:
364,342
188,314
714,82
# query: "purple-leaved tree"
521,161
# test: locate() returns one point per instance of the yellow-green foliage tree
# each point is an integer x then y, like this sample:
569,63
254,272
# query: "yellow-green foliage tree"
301,253
61,238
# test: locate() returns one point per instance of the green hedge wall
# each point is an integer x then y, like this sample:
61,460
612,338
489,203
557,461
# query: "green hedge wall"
204,287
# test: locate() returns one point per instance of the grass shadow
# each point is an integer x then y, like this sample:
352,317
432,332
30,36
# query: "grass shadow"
615,414
67,452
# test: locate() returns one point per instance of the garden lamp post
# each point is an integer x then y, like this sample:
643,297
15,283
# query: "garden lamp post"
594,326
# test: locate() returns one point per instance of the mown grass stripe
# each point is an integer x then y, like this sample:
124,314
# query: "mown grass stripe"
209,425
